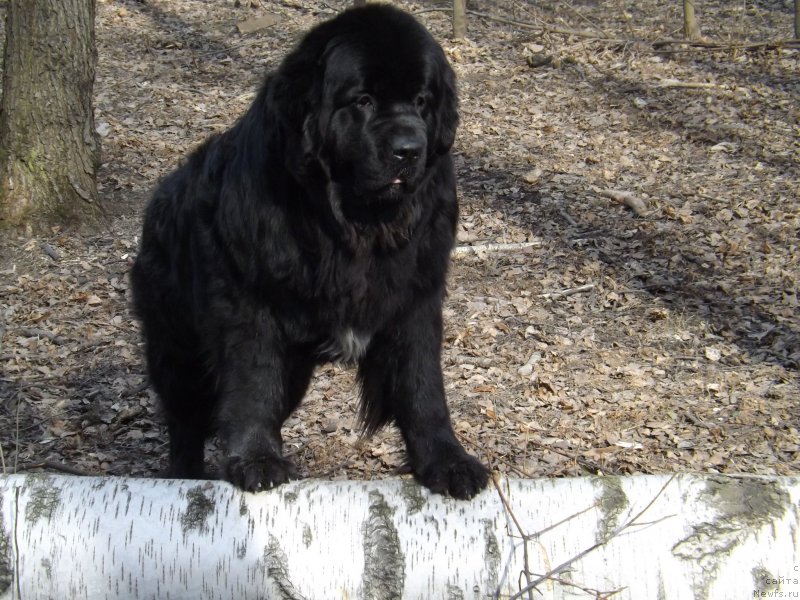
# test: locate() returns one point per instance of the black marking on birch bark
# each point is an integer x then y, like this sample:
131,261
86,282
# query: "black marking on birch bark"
384,563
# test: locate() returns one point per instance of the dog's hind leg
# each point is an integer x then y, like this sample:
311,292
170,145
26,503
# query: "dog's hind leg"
186,441
186,386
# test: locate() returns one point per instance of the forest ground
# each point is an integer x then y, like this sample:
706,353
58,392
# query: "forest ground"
618,341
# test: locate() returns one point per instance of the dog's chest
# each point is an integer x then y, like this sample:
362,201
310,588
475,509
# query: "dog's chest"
356,297
346,345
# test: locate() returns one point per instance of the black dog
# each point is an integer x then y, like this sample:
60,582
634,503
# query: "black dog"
318,228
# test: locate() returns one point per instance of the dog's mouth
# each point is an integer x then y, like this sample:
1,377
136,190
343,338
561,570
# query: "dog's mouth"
393,190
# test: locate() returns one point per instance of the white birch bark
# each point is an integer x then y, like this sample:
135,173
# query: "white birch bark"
715,537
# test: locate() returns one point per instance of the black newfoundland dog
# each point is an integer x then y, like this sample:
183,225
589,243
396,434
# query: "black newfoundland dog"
317,229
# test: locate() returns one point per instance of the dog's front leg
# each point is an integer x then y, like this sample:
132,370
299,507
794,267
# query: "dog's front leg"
401,379
264,382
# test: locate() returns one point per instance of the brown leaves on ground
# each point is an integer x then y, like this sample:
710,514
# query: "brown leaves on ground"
631,303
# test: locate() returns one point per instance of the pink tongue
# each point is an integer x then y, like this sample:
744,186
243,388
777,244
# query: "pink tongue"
397,180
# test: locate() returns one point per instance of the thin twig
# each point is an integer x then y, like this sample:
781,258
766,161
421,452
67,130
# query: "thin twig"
342,465
569,292
690,85
42,333
53,466
603,542
17,578
773,45
657,44
567,217
592,592
627,18
528,25
16,435
135,390
525,562
564,520
586,19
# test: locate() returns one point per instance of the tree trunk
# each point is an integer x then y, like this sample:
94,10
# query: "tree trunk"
49,150
690,28
459,19
797,19
646,537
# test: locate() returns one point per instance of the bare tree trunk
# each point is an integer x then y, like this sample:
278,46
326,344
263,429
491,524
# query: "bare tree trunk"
797,19
690,27
460,19
49,150
633,538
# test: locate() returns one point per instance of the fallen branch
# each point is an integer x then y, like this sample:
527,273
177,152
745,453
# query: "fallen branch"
705,45
50,251
628,199
170,531
568,292
42,333
545,27
492,247
674,83
563,566
478,361
52,465
656,45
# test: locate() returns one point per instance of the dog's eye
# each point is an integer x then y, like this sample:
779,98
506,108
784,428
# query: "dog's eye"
364,102
420,102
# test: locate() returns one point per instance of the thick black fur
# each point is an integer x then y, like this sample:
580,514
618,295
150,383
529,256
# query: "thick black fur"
317,228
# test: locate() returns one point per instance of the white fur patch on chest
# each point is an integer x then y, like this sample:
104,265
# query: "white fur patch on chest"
346,346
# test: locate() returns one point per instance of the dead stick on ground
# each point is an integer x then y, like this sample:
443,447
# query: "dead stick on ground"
479,248
773,45
526,24
628,199
52,466
570,292
50,251
691,85
477,361
657,44
42,333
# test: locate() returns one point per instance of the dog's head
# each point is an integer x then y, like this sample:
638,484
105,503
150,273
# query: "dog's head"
370,98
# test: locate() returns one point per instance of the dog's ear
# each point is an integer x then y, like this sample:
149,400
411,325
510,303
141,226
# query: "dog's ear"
447,110
296,87
295,97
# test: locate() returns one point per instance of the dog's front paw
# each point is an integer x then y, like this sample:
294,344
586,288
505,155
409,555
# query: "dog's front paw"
454,473
259,473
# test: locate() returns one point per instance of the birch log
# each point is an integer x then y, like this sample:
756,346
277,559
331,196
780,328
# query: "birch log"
715,537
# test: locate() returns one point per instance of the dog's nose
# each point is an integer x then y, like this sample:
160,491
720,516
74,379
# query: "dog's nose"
406,148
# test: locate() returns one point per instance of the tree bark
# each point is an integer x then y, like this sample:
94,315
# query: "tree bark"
49,149
459,19
646,537
690,28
